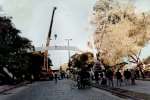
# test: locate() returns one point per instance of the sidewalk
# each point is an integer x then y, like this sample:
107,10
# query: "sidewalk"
4,88
140,91
141,87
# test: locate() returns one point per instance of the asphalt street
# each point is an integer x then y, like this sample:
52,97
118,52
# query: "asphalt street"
62,90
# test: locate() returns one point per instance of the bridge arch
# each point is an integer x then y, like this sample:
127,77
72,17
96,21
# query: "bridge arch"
71,48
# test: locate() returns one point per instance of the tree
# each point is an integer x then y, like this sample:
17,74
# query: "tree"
120,31
13,48
80,60
75,61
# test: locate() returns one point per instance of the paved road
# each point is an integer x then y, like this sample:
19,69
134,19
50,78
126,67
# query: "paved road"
63,90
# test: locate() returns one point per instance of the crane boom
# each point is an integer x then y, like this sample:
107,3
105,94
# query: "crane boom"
50,29
48,41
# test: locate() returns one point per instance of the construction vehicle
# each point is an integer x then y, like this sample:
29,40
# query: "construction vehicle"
46,72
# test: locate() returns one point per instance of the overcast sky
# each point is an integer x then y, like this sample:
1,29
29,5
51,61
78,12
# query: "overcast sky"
71,20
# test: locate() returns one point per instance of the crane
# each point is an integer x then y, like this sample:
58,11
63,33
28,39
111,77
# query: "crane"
45,67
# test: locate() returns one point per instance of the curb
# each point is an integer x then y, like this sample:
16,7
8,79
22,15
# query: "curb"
123,93
13,87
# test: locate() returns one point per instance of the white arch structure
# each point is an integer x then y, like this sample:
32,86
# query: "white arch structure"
71,48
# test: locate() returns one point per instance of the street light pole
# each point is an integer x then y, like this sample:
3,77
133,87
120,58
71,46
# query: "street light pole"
68,41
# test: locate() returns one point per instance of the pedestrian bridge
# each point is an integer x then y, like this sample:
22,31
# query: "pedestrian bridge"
71,48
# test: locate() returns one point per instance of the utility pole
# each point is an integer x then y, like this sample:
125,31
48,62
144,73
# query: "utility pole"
68,41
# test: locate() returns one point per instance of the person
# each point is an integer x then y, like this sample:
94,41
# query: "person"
137,74
127,76
101,75
104,80
62,74
56,77
109,75
97,69
67,74
83,78
91,74
133,77
119,78
96,75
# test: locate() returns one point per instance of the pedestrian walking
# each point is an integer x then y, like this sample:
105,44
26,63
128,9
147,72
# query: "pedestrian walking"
56,77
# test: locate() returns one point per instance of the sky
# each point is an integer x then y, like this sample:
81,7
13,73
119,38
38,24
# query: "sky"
71,20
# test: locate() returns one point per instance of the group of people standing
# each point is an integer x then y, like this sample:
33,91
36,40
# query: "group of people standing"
107,76
129,77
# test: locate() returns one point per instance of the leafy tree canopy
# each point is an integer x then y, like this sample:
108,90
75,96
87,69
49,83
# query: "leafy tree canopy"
13,47
80,60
